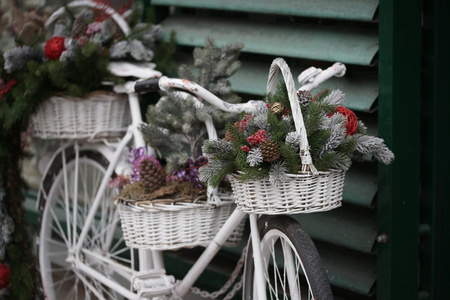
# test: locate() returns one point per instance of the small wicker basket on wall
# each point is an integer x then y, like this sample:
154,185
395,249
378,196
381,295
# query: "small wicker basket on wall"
100,114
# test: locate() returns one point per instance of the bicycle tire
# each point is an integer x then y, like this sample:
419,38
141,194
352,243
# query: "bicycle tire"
57,235
283,230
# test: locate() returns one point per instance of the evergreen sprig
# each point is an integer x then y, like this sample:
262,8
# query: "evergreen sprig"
180,116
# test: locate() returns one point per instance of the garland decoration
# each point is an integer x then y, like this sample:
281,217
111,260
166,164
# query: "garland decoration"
265,144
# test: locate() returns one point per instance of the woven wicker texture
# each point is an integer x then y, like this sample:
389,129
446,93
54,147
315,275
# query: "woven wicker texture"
170,226
310,191
302,193
99,115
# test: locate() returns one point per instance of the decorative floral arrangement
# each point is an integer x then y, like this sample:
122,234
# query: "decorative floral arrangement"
70,56
265,144
176,129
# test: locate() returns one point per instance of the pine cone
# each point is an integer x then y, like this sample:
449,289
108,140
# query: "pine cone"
277,109
152,177
304,97
79,26
270,150
228,136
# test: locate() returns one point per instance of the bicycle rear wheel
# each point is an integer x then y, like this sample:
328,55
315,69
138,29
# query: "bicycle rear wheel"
291,263
67,204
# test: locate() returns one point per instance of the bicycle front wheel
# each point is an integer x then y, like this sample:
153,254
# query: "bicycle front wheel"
291,263
67,203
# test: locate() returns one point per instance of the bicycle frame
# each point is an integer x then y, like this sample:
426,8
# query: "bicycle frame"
151,261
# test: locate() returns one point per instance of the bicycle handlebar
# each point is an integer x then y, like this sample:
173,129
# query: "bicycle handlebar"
164,83
148,85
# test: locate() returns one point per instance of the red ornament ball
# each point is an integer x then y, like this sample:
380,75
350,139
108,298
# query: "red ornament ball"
352,120
54,47
5,276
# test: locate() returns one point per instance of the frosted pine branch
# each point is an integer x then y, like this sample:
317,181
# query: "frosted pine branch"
362,127
176,160
216,147
139,52
288,124
108,30
336,97
342,162
206,172
160,138
277,173
16,59
119,49
337,129
367,144
135,48
384,155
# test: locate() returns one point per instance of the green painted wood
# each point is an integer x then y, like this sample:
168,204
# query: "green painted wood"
349,270
435,204
399,124
357,10
327,43
360,88
349,226
360,185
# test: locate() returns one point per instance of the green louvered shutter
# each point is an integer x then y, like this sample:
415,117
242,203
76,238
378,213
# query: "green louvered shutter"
305,33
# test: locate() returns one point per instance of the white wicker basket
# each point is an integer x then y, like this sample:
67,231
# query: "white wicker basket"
173,225
98,115
299,193
309,191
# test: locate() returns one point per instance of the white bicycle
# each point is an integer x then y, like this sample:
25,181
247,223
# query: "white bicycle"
82,252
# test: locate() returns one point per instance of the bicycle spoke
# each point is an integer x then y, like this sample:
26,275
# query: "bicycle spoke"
285,272
63,222
60,231
289,270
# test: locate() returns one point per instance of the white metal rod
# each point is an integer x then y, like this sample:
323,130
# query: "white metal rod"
75,193
166,83
145,260
158,260
207,255
136,118
336,70
66,198
101,190
118,268
112,284
257,258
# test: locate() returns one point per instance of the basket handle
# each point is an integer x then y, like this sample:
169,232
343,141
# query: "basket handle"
120,21
280,64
